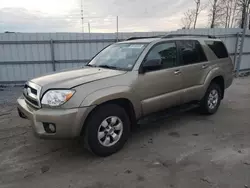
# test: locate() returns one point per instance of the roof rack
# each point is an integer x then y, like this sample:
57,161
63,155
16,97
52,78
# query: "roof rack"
135,38
172,36
188,35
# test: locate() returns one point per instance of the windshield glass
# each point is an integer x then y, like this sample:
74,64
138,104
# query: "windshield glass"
118,56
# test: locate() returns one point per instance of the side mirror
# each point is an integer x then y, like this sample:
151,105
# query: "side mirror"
152,64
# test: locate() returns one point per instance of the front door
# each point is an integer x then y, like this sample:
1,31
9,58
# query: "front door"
159,89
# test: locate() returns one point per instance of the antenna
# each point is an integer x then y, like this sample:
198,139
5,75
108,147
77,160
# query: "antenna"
82,18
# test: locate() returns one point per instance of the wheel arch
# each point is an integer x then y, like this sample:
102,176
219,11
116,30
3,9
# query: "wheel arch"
215,76
219,80
125,103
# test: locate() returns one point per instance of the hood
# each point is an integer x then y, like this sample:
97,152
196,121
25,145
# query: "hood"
72,78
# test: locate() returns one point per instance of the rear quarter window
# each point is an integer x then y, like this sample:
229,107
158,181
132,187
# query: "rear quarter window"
218,48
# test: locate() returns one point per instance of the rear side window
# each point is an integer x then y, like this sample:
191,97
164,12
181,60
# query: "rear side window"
191,52
218,48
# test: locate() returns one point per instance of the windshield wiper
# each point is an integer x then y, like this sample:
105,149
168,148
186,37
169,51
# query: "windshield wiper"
105,66
88,65
109,67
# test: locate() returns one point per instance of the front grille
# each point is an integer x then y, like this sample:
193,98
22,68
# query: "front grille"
32,101
31,93
34,91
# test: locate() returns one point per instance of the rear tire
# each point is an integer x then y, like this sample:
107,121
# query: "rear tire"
211,101
107,130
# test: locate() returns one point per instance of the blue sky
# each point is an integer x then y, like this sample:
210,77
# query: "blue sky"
64,15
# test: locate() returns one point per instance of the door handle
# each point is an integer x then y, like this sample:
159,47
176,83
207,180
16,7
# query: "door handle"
204,66
177,72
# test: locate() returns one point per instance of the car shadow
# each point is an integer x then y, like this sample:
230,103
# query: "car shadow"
169,116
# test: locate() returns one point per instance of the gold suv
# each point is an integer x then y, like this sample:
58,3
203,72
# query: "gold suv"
124,82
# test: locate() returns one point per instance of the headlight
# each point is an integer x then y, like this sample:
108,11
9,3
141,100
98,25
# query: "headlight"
57,97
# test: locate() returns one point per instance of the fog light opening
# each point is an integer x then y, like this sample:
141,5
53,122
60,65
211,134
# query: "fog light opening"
52,128
49,127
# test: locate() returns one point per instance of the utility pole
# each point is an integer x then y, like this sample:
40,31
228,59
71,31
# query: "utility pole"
117,28
89,27
242,44
248,19
82,18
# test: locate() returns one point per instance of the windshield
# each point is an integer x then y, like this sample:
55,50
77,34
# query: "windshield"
118,56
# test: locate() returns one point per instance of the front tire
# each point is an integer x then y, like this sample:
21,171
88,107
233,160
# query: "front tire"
211,101
108,129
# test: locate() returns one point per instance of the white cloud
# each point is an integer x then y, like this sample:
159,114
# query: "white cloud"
52,7
64,15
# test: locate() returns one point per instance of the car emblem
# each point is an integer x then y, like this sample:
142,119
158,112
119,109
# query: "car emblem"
28,91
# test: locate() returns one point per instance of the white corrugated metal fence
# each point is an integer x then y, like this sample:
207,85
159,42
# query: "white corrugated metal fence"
27,55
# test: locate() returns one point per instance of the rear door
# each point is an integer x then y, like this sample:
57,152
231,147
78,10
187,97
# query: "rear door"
194,68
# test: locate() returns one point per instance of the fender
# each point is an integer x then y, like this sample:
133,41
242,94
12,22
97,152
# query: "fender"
111,93
215,72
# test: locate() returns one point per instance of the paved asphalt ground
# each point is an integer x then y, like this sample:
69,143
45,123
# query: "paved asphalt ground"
186,150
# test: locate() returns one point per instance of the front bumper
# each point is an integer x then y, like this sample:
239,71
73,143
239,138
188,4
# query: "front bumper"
68,122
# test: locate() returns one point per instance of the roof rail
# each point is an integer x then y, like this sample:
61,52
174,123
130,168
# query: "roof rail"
188,35
135,38
172,36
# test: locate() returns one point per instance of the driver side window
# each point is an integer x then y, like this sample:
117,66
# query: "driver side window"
167,52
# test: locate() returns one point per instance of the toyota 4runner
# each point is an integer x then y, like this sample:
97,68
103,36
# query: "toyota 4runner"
124,82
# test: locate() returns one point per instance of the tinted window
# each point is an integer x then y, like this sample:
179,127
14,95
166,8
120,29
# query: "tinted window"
218,48
166,52
191,52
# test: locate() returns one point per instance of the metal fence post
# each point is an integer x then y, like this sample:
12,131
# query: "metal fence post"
236,49
242,45
52,55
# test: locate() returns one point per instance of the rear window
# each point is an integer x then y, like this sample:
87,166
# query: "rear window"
218,48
